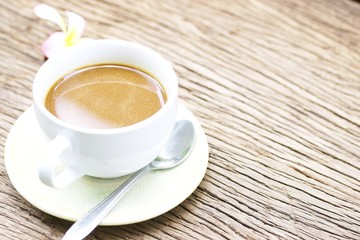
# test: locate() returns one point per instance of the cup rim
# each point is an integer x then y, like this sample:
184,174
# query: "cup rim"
38,102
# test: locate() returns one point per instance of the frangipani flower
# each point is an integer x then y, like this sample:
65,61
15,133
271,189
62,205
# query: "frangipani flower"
70,35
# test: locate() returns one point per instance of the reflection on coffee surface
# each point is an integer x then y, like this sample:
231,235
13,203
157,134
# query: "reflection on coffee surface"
105,96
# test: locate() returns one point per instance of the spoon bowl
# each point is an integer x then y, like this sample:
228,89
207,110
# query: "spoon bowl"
178,148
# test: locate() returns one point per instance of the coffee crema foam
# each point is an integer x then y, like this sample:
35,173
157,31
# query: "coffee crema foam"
105,96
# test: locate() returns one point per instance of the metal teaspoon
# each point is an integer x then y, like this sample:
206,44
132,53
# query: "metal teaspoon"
176,150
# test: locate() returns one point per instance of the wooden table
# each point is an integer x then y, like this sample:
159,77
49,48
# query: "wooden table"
276,87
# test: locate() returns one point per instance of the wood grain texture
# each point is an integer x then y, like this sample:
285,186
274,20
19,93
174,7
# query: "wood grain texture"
276,86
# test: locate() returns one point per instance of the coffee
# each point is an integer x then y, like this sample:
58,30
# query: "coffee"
105,96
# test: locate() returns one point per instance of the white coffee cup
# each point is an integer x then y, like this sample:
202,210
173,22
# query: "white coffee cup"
74,151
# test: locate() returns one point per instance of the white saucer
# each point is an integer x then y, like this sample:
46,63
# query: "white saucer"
154,194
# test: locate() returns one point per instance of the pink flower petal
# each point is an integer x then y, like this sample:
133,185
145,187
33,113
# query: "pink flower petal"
54,44
49,13
76,25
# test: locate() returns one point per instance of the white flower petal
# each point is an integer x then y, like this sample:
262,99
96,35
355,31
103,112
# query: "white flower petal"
76,25
49,13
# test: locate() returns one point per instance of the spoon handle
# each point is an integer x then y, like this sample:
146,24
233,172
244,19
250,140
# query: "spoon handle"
82,227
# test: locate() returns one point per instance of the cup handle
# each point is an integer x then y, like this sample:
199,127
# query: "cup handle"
53,171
